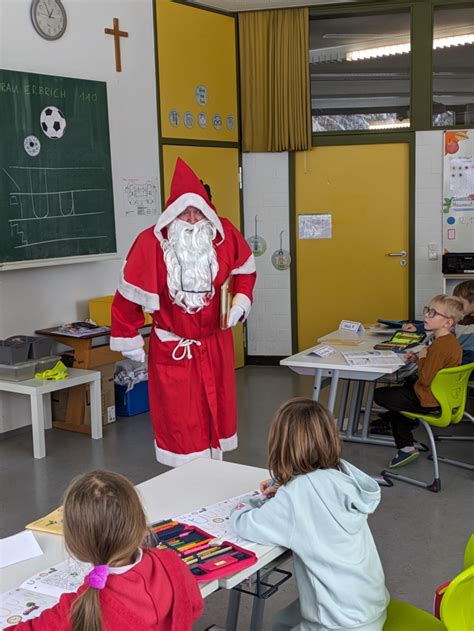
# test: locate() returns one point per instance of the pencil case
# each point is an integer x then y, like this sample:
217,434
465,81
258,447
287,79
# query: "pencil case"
208,558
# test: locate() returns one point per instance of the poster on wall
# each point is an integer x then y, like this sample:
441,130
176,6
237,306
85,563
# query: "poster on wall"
458,191
315,226
140,196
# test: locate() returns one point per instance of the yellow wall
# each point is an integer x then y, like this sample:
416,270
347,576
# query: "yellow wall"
196,47
350,276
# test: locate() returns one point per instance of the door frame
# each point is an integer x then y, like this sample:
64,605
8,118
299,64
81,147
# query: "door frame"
408,138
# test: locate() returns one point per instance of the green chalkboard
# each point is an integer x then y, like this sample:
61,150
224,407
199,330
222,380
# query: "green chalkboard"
56,197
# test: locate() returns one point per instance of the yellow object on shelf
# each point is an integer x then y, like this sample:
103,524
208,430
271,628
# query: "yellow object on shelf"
59,371
99,311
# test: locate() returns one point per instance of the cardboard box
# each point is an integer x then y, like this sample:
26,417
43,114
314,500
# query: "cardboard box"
59,399
100,311
107,394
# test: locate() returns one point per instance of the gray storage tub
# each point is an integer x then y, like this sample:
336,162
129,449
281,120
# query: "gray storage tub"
39,346
18,372
13,352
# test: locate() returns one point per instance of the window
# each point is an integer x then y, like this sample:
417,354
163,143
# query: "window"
453,65
360,71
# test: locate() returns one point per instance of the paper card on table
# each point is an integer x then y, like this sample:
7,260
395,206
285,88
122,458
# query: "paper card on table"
372,358
351,329
55,580
322,351
52,523
215,519
19,547
21,605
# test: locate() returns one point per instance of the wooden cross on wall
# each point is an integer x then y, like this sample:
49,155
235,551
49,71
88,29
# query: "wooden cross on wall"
117,33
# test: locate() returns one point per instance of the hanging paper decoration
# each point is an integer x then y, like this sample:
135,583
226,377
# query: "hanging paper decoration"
281,259
257,243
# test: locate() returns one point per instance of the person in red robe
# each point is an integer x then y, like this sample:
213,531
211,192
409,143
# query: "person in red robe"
175,271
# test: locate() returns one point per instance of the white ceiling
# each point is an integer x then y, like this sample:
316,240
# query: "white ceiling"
254,5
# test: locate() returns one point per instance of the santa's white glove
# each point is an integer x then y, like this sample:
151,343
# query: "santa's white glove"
236,314
137,355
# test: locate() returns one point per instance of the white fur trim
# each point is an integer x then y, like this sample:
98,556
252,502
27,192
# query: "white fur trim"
247,268
242,301
179,205
227,444
150,302
176,460
126,343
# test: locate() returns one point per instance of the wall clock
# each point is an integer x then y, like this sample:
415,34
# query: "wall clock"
49,18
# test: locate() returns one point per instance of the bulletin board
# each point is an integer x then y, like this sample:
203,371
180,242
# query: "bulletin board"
458,191
197,75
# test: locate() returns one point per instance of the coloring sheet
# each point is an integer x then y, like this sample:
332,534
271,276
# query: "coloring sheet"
67,576
21,605
214,519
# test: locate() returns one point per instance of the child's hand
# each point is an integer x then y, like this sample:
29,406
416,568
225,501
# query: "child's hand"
411,357
268,488
423,352
408,326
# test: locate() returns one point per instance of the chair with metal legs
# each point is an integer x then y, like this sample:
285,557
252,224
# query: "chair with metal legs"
449,387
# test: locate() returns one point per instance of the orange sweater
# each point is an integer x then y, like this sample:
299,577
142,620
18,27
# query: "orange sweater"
444,352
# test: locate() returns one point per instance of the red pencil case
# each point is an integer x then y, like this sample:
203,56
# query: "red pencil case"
208,558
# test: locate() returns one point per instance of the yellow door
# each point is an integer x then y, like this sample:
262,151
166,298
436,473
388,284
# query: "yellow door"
218,167
352,275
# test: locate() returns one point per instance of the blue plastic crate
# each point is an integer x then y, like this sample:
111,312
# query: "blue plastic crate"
135,401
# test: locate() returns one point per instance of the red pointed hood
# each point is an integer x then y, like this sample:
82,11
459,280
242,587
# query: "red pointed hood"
187,190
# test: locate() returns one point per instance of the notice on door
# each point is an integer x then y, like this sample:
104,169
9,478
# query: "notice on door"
315,226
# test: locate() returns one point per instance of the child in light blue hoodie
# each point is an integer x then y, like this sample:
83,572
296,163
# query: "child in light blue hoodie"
318,508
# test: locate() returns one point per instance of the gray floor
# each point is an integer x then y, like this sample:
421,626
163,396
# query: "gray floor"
420,535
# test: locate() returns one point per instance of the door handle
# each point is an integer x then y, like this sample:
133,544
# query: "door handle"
401,253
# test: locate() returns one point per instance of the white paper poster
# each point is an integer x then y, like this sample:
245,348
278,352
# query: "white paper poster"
140,196
317,226
458,191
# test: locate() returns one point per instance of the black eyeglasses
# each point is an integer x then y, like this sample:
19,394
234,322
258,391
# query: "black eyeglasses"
431,313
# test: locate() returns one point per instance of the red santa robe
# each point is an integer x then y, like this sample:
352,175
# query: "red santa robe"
157,594
191,360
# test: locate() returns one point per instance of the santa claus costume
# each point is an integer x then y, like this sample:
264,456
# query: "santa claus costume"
175,271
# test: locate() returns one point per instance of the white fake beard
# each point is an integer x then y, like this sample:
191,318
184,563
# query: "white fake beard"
191,261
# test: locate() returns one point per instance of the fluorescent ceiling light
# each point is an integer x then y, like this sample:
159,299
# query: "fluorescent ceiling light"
400,49
387,124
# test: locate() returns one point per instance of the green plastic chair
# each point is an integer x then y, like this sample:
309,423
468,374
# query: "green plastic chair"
449,387
469,553
457,610
457,606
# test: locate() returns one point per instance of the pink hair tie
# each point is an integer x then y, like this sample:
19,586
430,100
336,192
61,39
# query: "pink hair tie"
97,578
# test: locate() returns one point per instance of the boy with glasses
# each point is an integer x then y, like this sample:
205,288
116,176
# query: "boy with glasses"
415,395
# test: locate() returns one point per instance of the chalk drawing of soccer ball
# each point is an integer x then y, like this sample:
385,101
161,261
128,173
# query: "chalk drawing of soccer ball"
52,122
32,146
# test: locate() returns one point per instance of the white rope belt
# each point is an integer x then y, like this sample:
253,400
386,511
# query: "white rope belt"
185,346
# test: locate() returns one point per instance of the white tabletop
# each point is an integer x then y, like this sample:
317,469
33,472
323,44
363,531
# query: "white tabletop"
76,377
305,364
194,485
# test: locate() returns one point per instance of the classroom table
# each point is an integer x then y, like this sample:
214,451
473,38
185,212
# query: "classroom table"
181,490
336,369
39,391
